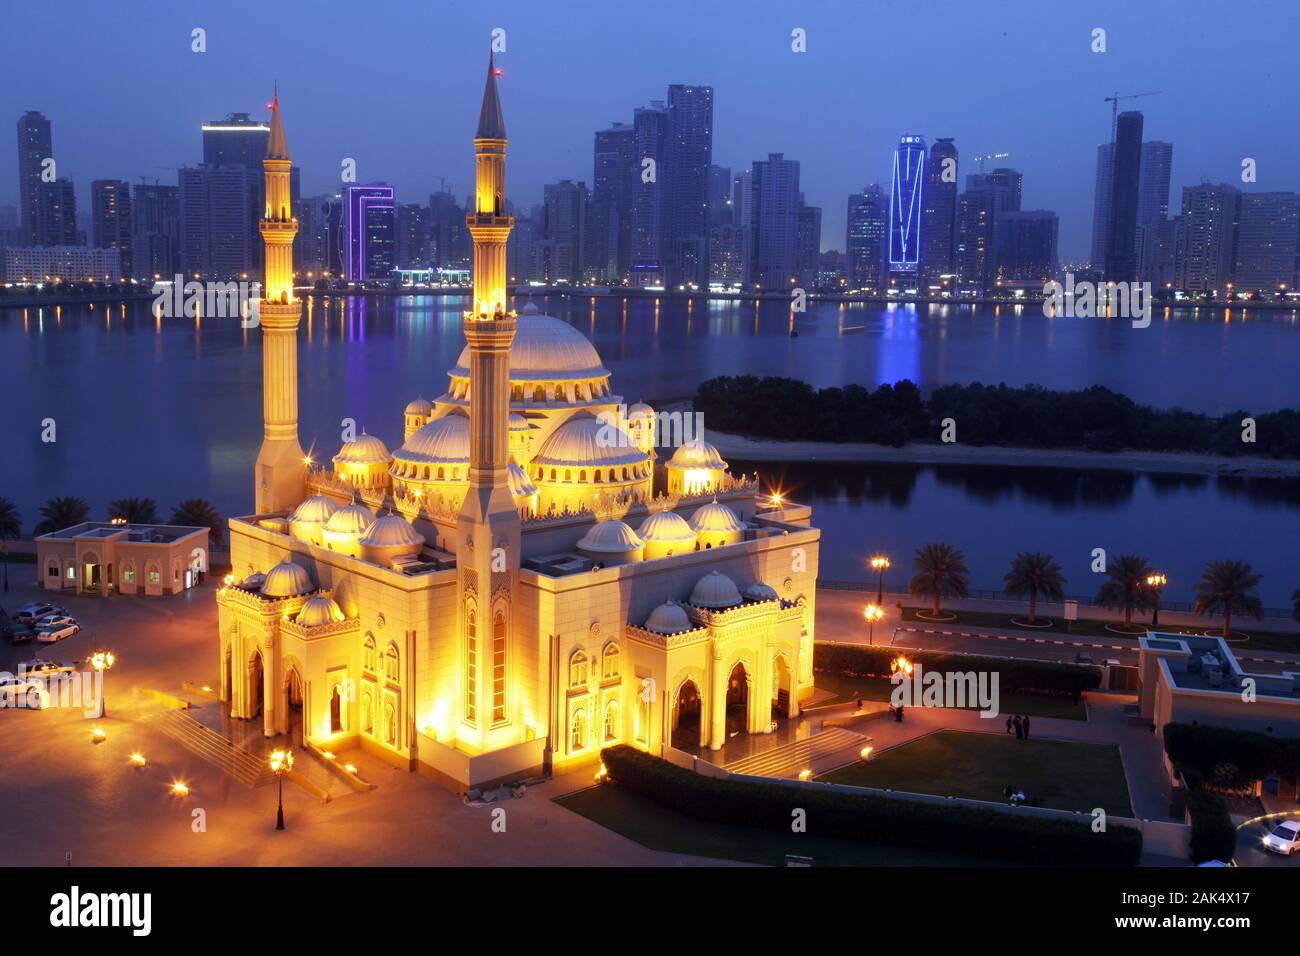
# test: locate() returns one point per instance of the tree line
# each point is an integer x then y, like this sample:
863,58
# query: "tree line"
1093,419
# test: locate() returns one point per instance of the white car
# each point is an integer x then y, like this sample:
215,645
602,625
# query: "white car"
40,667
56,632
1284,838
55,619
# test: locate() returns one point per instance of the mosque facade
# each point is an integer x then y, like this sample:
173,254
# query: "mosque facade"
523,581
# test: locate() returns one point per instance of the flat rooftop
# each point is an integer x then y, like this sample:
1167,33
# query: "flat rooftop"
141,533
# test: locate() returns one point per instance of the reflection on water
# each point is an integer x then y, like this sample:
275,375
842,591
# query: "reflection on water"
172,408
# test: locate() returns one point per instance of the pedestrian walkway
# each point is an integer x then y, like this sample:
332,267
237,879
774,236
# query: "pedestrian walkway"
820,753
204,742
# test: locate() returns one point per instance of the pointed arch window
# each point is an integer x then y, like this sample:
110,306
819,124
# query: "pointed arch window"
471,666
612,730
499,668
578,669
578,732
393,664
368,654
609,662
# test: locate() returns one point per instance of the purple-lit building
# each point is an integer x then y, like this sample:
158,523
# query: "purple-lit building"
906,205
369,233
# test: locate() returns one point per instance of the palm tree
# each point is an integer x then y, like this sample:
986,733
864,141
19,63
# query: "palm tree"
1032,574
940,572
11,528
60,513
1125,588
1228,586
199,513
134,510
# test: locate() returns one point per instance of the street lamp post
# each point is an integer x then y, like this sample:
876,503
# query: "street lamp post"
101,661
873,613
880,563
281,763
1155,582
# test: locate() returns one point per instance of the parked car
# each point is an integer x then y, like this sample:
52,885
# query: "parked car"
40,667
1083,657
56,632
53,619
17,692
29,612
17,633
1284,838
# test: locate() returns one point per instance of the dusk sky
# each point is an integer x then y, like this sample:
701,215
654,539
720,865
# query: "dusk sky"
397,85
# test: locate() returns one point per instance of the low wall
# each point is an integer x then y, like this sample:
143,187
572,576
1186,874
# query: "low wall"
460,771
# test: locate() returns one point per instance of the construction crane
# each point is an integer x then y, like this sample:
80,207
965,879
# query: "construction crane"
1114,107
988,156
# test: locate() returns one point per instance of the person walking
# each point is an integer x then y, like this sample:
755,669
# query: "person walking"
1025,725
857,701
1008,723
1020,727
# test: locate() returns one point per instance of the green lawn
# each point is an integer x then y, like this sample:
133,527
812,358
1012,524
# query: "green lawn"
879,688
1059,774
655,826
1094,628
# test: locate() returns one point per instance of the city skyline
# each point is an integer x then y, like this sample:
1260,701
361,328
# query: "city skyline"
842,141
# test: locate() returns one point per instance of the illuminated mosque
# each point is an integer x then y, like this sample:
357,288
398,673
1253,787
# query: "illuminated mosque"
517,585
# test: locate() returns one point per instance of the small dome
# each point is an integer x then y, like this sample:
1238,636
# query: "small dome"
640,410
666,526
391,531
287,579
421,406
668,618
316,509
521,485
318,610
363,450
518,423
585,441
354,520
715,590
530,309
443,440
611,537
761,592
696,453
716,517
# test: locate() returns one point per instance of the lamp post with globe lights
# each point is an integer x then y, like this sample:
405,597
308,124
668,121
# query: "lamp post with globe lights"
880,564
281,763
873,613
1155,582
101,661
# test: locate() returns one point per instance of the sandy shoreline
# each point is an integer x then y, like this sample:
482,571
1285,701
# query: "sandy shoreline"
1187,463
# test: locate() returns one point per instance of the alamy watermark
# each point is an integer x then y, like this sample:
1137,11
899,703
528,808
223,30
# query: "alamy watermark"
83,689
1086,300
666,429
221,300
916,687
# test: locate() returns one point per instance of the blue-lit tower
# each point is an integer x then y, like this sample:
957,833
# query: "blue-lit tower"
905,205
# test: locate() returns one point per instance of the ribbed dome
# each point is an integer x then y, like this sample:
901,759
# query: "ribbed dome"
353,520
518,423
761,592
443,440
696,453
545,349
584,441
612,537
716,517
521,486
363,450
391,531
316,509
287,579
421,406
668,619
715,590
666,526
640,410
318,610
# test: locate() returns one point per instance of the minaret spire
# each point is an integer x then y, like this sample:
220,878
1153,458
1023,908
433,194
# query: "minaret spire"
280,470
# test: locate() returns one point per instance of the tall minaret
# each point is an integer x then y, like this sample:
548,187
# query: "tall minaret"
279,478
488,531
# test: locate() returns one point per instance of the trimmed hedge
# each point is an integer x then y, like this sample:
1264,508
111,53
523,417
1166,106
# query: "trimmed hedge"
1213,835
1014,676
1255,755
990,834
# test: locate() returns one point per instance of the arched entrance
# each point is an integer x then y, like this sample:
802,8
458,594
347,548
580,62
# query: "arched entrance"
293,707
781,687
336,710
737,700
256,679
686,716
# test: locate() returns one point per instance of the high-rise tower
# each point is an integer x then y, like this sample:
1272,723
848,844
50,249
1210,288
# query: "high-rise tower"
488,529
281,469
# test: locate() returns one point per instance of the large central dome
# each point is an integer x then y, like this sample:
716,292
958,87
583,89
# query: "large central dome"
545,349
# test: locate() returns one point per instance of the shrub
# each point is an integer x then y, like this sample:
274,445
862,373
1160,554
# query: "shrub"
1014,676
991,834
1252,755
1213,835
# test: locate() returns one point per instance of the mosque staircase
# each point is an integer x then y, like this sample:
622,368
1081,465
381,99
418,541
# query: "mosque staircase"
248,768
819,753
